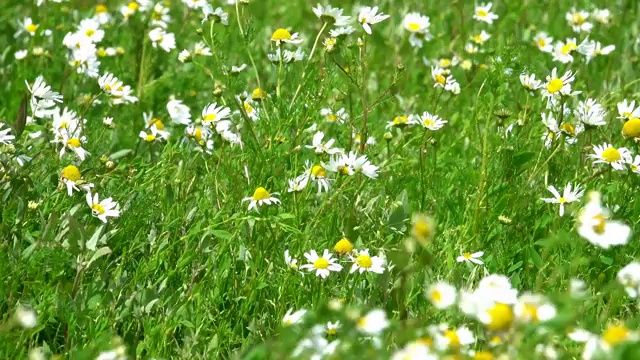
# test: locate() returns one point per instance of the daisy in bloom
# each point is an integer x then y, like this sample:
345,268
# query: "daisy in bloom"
544,42
71,177
110,84
595,226
75,145
603,16
91,29
591,113
555,132
330,15
213,113
635,165
321,148
577,19
483,12
442,295
201,49
151,136
101,14
291,317
597,50
451,339
339,116
557,86
159,38
261,197
361,164
369,16
562,50
281,36
607,154
287,56
443,78
429,121
533,308
341,32
628,110
102,209
298,184
332,327
629,277
195,4
5,137
480,38
291,262
418,26
362,262
238,69
42,98
530,82
160,16
179,113
423,228
598,347
473,258
569,195
250,107
401,121
217,16
66,124
26,26
322,265
318,175
373,323
184,56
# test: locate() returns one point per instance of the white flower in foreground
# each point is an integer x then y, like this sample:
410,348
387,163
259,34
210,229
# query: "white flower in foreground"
532,308
559,86
429,121
213,113
320,147
26,317
102,209
483,12
42,98
627,110
543,42
322,265
179,112
569,195
292,317
451,339
577,19
607,154
160,38
71,178
362,262
369,16
474,258
261,197
595,226
591,113
442,295
373,323
629,277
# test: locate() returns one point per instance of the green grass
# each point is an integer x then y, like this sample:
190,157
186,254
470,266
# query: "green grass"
186,271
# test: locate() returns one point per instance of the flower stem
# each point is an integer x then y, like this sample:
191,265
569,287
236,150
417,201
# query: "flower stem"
304,73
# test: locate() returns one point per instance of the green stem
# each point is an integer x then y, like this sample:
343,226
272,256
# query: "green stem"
304,73
363,95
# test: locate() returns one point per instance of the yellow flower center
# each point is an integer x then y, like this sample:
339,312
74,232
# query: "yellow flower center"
422,229
501,317
542,42
150,138
362,323
413,27
71,173
568,48
555,85
496,340
198,134
101,52
631,128
441,79
261,194
210,117
281,34
74,142
98,209
428,122
426,341
364,261
90,32
562,200
601,224
454,340
568,128
157,122
332,117
64,125
445,63
577,19
343,246
400,120
530,311
615,334
483,355
318,171
258,94
248,108
611,155
133,5
467,256
31,28
478,39
344,170
321,263
332,331
435,296
481,13
101,9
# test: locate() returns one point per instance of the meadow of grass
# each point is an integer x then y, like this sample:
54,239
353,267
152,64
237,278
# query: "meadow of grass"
171,173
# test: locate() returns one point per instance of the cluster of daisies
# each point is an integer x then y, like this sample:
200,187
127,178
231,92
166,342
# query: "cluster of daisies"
427,120
564,51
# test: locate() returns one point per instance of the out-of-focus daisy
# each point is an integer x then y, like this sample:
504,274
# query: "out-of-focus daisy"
26,26
591,113
160,38
544,42
597,50
373,323
483,13
603,16
480,38
291,262
286,56
595,226
414,350
102,209
635,165
471,257
451,339
217,16
369,16
628,110
629,277
423,228
341,32
321,265
362,262
530,82
42,98
150,136
261,197
577,19
533,308
184,56
608,154
281,36
179,112
401,121
331,16
291,317
331,116
71,178
101,14
442,295
238,69
430,121
195,4
26,317
418,27
443,78
597,347
5,137
320,147
569,195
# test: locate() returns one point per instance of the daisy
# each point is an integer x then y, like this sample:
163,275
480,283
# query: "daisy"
102,209
292,317
627,110
212,114
635,165
543,42
569,195
339,116
5,138
110,84
361,164
341,32
343,247
577,19
533,308
629,277
597,50
179,113
298,184
480,38
321,148
607,154
418,27
373,323
530,82
322,265
603,16
201,49
91,29
281,36
591,113
331,16
595,226
160,16
160,38
362,262
442,295
451,339
238,69
429,121
26,25
261,197
291,262
75,145
474,258
195,4
369,16
26,317
184,56
317,174
151,136
42,98
217,15
70,177
402,121
562,50
559,86
101,14
483,12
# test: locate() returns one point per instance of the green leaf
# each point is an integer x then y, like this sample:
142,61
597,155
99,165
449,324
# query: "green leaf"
606,260
535,257
98,254
515,266
120,154
221,234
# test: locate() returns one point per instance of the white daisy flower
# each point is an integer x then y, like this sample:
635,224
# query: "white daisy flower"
102,209
160,38
471,257
530,82
595,226
213,113
544,42
483,13
607,154
629,277
322,265
362,262
591,113
442,295
331,16
569,195
291,262
5,137
217,16
429,121
577,19
291,317
320,147
369,16
628,110
373,323
179,113
261,197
